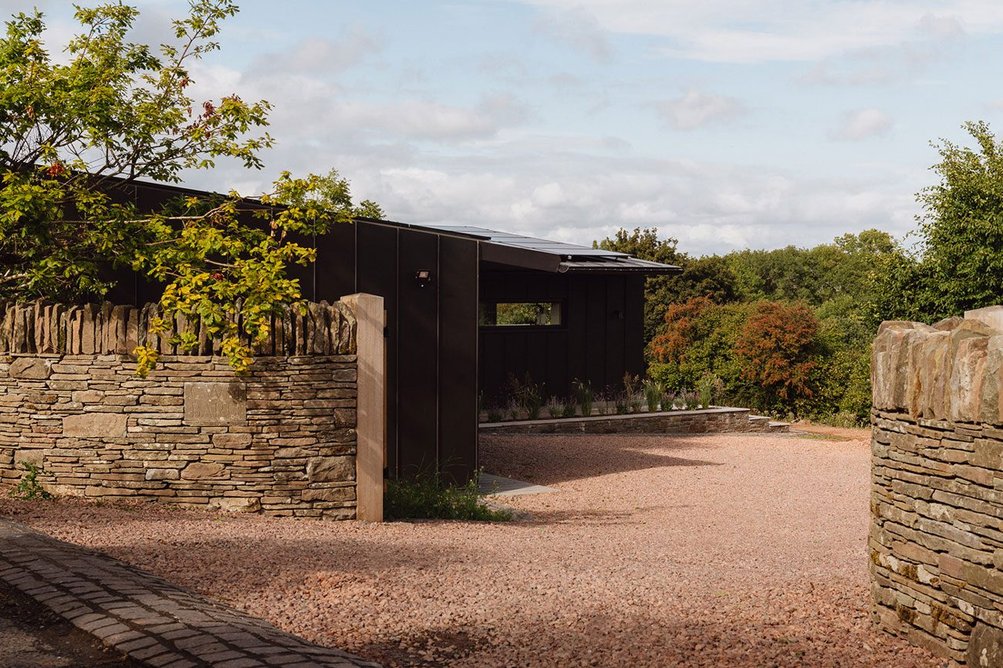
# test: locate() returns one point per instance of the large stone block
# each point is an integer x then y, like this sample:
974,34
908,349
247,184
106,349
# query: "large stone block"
94,425
330,494
161,474
988,454
892,363
231,440
215,404
30,368
967,376
985,647
991,406
33,457
331,469
236,504
991,316
202,470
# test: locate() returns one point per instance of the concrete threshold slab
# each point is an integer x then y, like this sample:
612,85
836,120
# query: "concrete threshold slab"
496,485
145,617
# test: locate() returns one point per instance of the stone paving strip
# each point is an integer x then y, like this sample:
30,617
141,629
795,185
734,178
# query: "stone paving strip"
146,617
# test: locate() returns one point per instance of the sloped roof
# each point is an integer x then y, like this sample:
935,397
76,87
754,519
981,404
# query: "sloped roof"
504,248
516,250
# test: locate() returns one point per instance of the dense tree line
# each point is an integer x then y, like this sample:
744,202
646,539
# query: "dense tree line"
789,331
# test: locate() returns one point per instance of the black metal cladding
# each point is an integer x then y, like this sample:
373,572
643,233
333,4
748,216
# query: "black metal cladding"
599,340
429,284
439,360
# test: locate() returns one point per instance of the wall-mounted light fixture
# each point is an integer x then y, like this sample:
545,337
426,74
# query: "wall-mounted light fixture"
423,277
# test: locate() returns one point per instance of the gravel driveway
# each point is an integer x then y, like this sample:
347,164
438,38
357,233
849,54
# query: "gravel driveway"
718,550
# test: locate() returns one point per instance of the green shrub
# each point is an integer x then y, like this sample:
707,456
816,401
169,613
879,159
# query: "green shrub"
653,393
569,409
28,487
555,407
691,399
513,410
583,395
527,394
708,388
429,497
669,400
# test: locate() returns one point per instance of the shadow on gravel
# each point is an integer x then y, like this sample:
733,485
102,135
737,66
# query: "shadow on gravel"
283,559
550,459
649,641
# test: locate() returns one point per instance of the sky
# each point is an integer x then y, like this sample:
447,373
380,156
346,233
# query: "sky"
725,124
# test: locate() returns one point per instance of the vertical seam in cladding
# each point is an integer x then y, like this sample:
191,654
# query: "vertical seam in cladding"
397,325
476,354
437,282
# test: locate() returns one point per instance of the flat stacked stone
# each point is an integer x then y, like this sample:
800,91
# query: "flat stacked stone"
280,439
936,537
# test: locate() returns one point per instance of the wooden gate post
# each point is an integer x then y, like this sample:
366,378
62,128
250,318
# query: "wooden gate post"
370,428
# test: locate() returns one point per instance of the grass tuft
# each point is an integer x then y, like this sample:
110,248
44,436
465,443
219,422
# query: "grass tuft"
429,497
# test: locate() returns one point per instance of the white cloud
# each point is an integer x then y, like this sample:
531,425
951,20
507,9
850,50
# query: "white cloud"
578,29
785,30
696,109
708,207
861,124
322,56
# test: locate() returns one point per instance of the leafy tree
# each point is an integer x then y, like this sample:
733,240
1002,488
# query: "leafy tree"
75,134
703,277
698,339
778,351
845,335
962,227
787,274
708,276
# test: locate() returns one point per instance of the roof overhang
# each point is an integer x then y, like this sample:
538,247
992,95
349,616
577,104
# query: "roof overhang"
521,252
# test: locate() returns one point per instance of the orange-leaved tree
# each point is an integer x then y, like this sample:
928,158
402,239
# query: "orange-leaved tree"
778,351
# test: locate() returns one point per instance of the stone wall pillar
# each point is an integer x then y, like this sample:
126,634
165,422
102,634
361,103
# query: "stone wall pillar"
371,427
936,536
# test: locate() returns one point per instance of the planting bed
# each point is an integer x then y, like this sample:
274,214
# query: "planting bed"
714,550
704,420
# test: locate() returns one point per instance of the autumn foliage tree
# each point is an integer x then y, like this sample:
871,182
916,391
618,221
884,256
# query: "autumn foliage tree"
777,351
75,129
698,338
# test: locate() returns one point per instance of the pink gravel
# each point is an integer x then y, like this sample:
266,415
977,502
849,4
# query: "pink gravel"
721,550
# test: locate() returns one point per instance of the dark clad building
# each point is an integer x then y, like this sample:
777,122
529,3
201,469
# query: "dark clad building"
466,308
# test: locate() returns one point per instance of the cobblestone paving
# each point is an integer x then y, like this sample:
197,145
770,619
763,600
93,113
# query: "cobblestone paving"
147,618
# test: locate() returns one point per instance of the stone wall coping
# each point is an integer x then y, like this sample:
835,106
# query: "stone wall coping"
47,329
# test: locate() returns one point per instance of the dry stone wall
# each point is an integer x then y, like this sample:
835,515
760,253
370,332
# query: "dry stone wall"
936,537
280,439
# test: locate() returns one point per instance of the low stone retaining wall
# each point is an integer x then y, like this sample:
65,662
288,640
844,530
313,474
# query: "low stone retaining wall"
280,439
936,538
707,420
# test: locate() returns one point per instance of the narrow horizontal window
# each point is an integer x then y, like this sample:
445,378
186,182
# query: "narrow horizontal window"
521,314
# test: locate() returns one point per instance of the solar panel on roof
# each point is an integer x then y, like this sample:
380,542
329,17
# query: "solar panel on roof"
532,243
566,257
